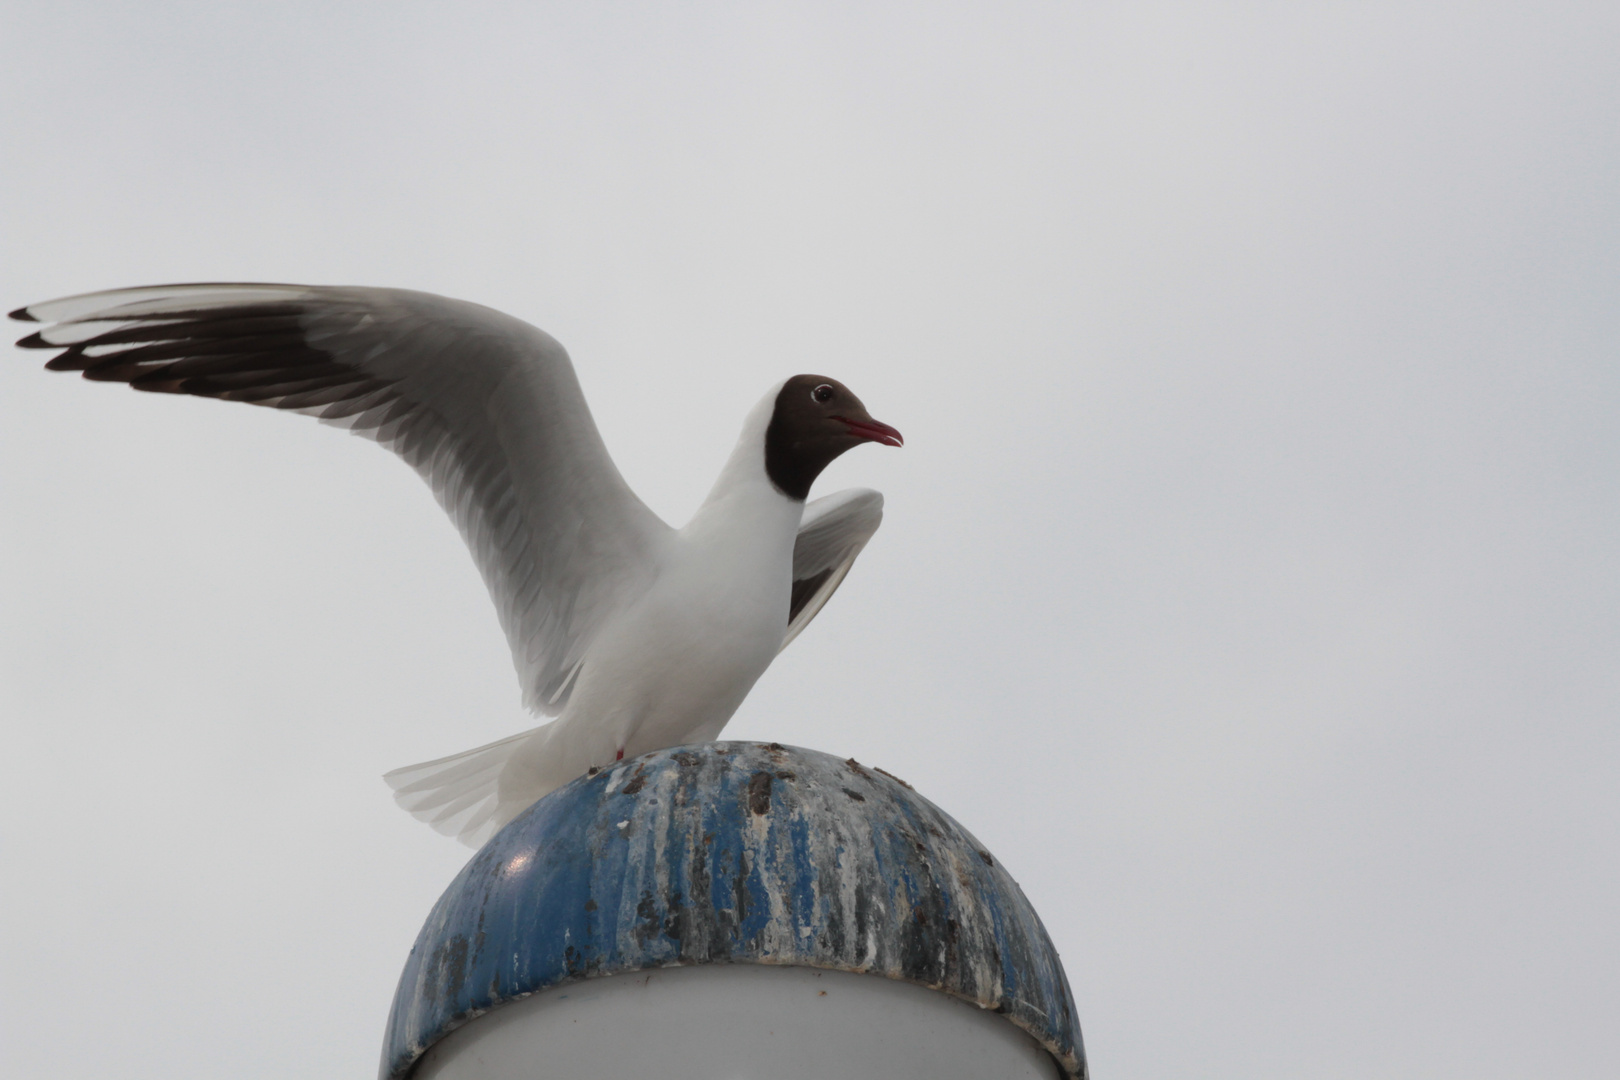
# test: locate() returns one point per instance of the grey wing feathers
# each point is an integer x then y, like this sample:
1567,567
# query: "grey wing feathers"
832,533
484,406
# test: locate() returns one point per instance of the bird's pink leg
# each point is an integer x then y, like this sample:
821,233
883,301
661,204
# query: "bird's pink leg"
620,755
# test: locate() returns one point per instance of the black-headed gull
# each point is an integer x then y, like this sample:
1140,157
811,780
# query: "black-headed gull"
636,636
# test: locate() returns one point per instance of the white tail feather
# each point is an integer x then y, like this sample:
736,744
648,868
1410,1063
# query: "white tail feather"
460,795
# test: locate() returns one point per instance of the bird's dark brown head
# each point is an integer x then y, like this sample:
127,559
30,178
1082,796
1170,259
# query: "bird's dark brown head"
815,420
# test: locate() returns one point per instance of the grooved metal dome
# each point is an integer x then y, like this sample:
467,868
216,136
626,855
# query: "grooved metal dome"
726,853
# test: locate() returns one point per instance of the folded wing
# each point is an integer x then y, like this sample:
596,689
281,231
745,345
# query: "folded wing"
484,406
832,533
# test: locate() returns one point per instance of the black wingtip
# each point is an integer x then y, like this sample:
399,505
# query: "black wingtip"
21,315
35,341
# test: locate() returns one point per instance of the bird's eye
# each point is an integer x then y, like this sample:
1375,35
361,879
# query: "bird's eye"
823,393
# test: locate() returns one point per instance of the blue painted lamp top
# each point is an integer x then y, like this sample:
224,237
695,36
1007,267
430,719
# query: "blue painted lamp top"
732,852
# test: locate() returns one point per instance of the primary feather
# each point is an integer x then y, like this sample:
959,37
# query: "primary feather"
485,407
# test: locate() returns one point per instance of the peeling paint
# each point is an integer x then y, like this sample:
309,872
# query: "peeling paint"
732,853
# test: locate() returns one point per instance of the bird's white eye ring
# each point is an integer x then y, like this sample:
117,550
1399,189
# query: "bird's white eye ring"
823,393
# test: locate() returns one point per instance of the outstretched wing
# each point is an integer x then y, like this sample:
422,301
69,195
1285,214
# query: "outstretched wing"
484,406
832,532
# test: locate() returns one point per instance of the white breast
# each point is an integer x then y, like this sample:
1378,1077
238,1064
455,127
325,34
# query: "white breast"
685,655
674,665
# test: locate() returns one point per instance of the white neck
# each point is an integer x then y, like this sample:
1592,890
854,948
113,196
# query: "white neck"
743,482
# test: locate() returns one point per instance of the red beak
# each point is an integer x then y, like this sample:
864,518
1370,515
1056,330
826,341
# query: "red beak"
873,431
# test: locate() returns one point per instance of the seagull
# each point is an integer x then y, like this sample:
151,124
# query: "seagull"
634,635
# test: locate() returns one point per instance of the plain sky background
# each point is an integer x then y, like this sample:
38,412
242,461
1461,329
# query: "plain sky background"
1251,576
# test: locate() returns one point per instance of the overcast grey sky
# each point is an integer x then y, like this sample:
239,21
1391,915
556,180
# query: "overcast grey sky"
1251,576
